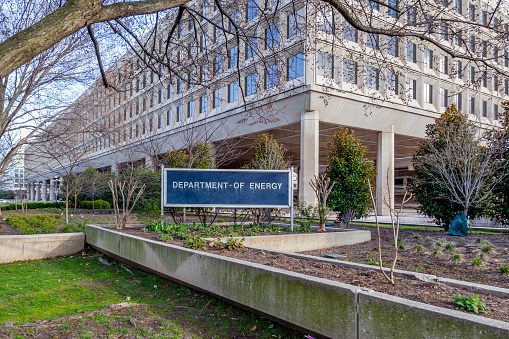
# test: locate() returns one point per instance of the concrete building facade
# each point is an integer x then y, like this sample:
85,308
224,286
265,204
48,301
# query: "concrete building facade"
301,75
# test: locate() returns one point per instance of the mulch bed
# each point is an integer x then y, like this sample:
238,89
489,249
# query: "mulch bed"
410,259
6,229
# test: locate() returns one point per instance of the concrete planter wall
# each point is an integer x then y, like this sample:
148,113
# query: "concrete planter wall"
39,246
306,242
316,306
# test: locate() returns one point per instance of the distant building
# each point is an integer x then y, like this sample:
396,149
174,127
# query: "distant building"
18,183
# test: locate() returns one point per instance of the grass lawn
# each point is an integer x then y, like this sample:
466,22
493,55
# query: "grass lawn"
69,298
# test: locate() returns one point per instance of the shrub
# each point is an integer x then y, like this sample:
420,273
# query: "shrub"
349,170
195,242
233,244
456,257
471,304
97,204
33,205
417,248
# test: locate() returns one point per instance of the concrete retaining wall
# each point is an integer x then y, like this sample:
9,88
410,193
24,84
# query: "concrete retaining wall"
306,242
39,246
317,306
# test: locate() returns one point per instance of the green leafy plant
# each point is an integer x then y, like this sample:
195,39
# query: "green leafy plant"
450,247
478,240
504,269
428,240
456,257
235,244
195,242
216,243
436,253
477,262
416,236
417,248
487,249
471,304
164,237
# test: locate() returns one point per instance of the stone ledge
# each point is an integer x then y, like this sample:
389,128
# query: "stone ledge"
316,306
304,242
39,246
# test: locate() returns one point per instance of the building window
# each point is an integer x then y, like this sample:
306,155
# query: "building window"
233,55
325,20
484,108
471,12
506,87
137,132
471,43
372,41
159,121
203,103
373,5
444,64
296,22
152,100
458,100
472,74
295,66
372,77
190,109
251,84
410,52
271,36
392,46
179,113
411,86
458,7
471,106
484,79
169,117
392,10
392,83
496,87
428,58
252,10
168,91
349,71
443,97
251,47
191,79
180,85
324,65
218,64
233,91
217,98
349,32
151,124
160,98
144,127
271,76
428,93
495,112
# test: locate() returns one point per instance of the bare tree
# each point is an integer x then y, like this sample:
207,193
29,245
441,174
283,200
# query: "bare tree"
322,187
395,214
126,193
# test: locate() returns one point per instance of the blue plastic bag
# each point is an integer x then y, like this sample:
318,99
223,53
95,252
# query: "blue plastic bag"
459,226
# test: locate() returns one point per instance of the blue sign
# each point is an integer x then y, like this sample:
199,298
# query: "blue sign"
226,188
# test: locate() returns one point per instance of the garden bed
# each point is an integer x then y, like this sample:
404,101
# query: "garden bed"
432,293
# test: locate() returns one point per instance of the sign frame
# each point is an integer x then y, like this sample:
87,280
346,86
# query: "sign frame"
164,183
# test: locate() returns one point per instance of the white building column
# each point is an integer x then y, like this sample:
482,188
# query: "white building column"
385,171
113,167
44,191
52,190
38,192
309,156
149,163
32,192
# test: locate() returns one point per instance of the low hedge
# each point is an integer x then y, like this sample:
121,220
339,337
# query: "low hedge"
35,224
33,205
98,204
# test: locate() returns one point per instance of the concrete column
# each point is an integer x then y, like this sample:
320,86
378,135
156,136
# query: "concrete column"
32,192
309,156
113,167
52,190
149,163
385,171
44,191
38,192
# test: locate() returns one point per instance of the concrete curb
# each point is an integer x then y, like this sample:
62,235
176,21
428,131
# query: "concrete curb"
39,246
316,306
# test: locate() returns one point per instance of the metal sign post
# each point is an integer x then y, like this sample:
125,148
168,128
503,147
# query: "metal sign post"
291,198
162,194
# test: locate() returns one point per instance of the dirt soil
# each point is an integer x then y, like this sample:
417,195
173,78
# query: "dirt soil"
418,254
6,229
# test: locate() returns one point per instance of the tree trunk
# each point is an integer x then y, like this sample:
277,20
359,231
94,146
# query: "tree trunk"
322,226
